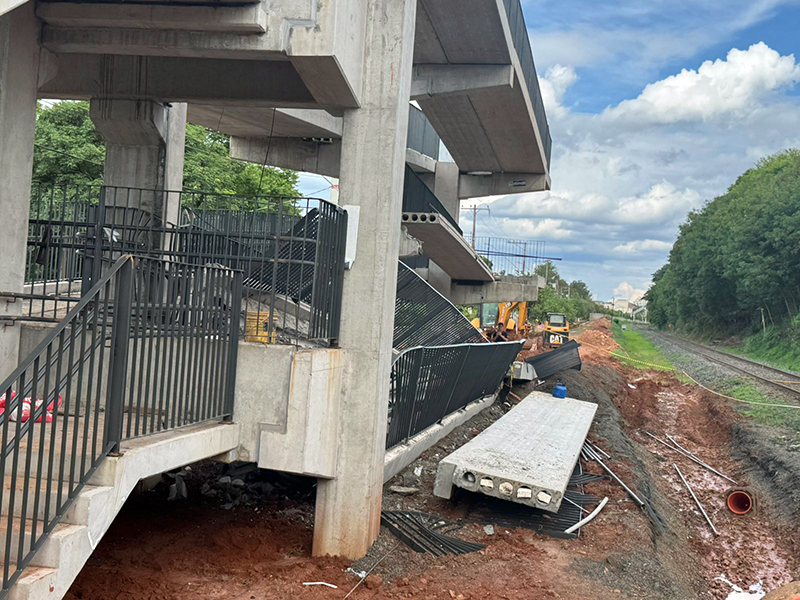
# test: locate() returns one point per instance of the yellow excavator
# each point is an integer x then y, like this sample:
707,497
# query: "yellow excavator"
556,330
505,326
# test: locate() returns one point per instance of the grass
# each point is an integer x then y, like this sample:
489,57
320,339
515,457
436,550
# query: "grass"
783,356
639,348
766,415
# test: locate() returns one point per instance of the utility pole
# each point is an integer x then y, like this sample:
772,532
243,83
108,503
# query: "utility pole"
475,209
524,256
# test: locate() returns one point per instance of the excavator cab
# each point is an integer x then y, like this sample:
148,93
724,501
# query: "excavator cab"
556,330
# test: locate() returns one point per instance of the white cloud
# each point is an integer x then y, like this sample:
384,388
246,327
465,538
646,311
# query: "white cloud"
719,88
626,291
621,186
639,246
554,85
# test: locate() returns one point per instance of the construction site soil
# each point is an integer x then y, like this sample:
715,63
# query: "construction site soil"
259,548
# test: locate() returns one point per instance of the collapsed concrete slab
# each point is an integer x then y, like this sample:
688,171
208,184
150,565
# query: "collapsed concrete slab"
527,456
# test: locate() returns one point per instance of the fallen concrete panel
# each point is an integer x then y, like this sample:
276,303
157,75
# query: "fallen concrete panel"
527,456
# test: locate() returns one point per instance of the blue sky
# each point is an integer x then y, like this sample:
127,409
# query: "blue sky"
644,128
655,107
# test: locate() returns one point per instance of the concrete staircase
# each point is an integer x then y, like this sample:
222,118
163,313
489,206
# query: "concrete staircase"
68,546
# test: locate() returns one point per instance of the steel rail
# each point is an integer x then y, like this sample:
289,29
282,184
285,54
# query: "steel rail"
713,355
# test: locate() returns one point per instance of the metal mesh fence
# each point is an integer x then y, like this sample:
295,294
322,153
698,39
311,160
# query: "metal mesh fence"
430,383
291,250
423,317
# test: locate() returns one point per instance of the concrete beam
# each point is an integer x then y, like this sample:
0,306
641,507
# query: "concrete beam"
443,80
420,162
348,507
250,122
251,18
20,58
170,79
492,292
499,184
322,158
446,246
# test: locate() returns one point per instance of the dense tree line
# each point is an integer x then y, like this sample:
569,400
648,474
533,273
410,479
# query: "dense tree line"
69,150
737,256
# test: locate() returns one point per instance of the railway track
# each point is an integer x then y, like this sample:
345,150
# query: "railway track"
785,380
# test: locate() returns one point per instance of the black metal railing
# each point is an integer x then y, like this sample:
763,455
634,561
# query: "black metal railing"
522,44
430,383
423,317
422,137
150,347
418,197
504,256
291,250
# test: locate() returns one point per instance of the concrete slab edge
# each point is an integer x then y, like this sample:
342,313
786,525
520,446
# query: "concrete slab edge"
399,457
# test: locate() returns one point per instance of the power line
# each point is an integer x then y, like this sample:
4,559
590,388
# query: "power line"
67,154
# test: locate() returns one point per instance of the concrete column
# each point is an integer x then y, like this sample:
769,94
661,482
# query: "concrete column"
446,187
19,76
144,149
372,166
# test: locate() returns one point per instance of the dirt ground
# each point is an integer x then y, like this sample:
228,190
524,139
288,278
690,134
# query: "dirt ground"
260,548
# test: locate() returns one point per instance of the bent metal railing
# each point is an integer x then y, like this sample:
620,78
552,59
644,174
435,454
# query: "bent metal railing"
429,383
291,250
150,347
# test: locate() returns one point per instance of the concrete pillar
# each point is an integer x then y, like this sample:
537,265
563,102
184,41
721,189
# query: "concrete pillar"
144,149
372,166
19,76
446,187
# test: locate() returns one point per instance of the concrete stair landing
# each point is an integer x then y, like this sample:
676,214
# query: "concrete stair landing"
66,549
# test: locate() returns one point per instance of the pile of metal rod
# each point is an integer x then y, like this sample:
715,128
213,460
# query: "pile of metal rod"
592,452
676,447
673,445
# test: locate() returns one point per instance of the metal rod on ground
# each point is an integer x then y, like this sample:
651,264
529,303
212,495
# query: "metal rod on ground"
576,505
705,464
691,457
589,517
600,450
372,568
700,506
598,459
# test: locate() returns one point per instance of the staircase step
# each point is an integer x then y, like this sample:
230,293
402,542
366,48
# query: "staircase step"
35,582
50,552
76,514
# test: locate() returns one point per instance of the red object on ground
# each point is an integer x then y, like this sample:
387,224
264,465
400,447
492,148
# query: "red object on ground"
740,502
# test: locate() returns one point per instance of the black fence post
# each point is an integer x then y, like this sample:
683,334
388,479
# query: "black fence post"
233,349
118,367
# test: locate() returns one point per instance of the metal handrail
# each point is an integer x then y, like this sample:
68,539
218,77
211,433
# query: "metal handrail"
150,347
429,383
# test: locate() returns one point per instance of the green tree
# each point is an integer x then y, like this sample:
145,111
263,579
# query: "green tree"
738,254
549,271
70,150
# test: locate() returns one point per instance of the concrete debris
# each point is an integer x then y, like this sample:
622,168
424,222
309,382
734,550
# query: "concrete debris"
359,574
403,490
418,471
224,480
489,530
237,483
527,456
